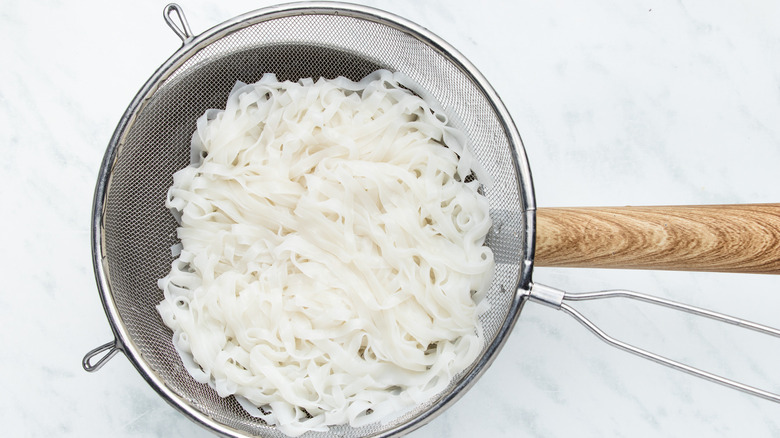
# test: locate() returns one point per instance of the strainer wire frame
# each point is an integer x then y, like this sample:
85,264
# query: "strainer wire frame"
191,45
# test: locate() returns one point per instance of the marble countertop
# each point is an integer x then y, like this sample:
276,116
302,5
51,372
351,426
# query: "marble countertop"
619,103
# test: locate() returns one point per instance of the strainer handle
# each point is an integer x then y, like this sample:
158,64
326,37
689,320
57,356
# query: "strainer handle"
712,238
555,298
107,350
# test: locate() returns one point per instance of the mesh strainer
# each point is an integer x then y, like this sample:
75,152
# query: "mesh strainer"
132,231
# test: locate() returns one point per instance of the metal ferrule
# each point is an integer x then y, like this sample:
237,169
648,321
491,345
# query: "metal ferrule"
549,296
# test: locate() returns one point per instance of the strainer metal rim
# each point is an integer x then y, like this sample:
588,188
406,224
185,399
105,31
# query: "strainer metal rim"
191,44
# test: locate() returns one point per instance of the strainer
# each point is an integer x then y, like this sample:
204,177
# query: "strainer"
132,231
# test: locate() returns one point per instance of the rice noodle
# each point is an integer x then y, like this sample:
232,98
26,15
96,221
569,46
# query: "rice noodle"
331,267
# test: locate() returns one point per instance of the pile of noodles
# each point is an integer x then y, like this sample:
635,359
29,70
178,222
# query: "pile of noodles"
331,267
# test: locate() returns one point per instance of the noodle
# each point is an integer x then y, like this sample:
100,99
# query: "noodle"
331,267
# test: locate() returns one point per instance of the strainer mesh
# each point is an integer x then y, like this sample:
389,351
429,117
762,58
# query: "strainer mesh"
139,230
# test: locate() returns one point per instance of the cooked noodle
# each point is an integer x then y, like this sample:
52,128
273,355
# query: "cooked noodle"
331,267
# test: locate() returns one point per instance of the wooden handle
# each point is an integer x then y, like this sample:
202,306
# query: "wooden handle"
714,238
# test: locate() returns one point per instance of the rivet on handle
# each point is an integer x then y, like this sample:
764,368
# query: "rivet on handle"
182,29
108,350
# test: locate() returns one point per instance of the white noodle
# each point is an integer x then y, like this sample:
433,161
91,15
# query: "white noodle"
331,266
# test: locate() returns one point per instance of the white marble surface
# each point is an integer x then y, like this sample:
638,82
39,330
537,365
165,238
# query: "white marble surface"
619,103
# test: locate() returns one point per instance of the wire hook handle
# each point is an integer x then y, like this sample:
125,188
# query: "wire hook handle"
555,298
